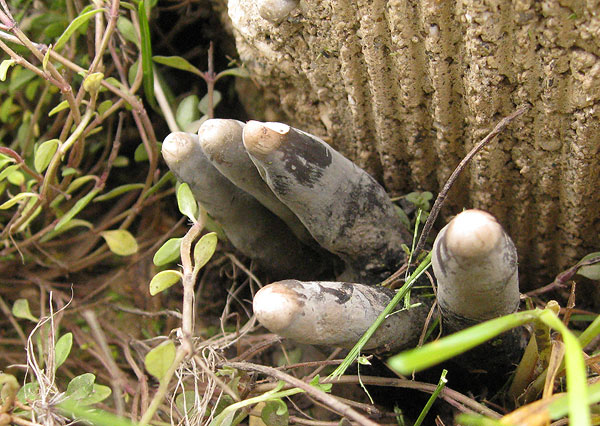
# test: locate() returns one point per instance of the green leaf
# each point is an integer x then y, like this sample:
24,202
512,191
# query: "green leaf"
127,30
144,13
275,413
104,106
21,196
159,360
186,202
140,153
81,386
73,26
68,171
19,78
115,192
44,154
74,223
86,415
84,391
448,347
237,72
10,169
31,90
120,242
121,161
33,202
132,73
185,402
224,419
62,349
63,105
325,387
4,66
7,109
204,250
16,178
163,280
21,309
203,105
29,392
179,63
169,252
79,205
591,272
46,59
187,111
79,182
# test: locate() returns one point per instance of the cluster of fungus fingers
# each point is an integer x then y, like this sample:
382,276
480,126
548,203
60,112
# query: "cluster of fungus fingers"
250,227
475,264
288,200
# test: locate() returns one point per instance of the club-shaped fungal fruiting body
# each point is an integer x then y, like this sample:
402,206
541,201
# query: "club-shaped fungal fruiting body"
221,141
475,264
336,314
250,227
275,11
346,211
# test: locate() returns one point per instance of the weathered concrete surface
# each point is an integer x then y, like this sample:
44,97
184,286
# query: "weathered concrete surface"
406,88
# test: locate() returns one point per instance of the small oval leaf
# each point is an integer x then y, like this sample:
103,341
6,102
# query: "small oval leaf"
44,154
10,169
204,249
16,178
73,26
62,349
187,111
63,105
104,106
275,413
163,280
120,242
177,62
21,309
186,202
169,252
159,359
237,72
203,105
591,272
127,30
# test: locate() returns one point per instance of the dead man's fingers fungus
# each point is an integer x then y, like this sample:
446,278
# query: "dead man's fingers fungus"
336,314
475,264
221,141
346,211
250,227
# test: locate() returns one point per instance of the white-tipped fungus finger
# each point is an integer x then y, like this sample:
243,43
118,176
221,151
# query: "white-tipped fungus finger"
221,141
250,227
336,314
342,206
475,264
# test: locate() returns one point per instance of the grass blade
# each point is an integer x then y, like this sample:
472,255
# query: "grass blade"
356,350
448,347
148,73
